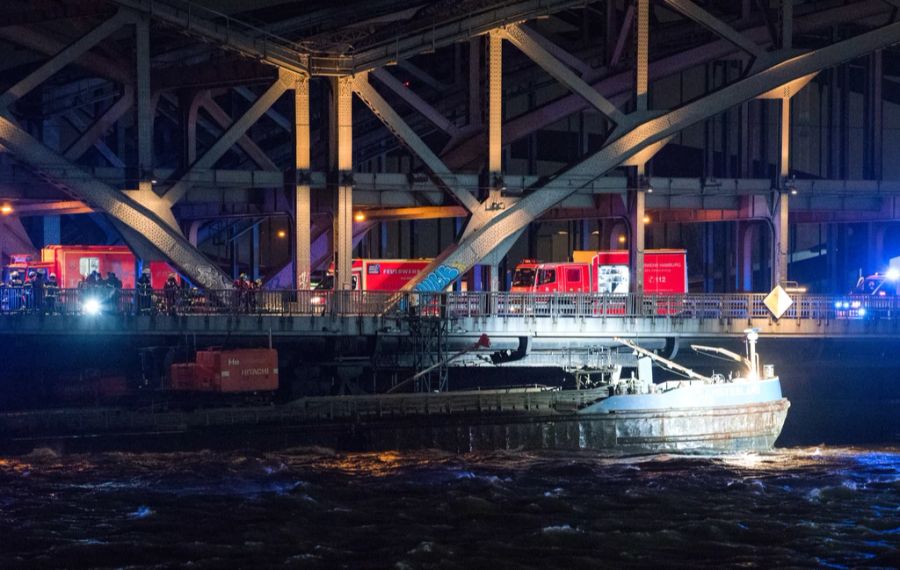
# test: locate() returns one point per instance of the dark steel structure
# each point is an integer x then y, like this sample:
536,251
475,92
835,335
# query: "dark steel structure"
194,129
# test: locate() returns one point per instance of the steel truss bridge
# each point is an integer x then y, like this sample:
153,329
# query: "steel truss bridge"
70,88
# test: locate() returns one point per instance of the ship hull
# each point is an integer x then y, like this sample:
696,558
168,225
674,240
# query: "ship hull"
696,419
725,429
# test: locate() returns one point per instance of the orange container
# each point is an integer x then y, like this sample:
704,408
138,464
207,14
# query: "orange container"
245,370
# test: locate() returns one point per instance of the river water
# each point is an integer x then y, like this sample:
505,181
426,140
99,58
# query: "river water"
803,506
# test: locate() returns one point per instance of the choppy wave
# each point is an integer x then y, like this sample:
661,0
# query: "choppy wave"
312,507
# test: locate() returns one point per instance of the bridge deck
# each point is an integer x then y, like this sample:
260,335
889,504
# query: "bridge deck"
548,319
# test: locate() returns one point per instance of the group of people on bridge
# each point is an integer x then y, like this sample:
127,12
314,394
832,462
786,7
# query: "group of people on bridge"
32,291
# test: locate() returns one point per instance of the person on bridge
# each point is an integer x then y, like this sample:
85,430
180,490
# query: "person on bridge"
37,291
51,293
171,289
254,291
114,287
144,292
16,293
242,293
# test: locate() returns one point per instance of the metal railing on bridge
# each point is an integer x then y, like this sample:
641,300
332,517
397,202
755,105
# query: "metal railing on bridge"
106,300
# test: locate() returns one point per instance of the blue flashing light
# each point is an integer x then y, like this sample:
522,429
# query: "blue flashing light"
862,312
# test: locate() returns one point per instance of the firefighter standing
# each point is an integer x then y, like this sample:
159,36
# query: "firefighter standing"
37,291
15,292
144,291
51,293
171,293
114,287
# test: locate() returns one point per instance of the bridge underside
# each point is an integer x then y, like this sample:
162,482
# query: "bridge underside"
471,133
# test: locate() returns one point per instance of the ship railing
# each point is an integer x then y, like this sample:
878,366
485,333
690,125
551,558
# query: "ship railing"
16,300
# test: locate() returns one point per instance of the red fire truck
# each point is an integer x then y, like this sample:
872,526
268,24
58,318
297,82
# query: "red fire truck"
379,274
665,272
72,263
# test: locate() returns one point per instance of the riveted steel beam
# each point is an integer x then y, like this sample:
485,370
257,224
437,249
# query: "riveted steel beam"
480,242
302,206
524,39
234,133
642,56
495,119
277,117
42,43
704,18
342,91
69,54
76,120
138,217
442,175
622,83
623,35
219,115
101,125
415,101
227,32
781,233
145,106
407,43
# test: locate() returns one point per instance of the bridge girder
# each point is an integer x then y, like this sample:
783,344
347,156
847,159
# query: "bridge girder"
479,244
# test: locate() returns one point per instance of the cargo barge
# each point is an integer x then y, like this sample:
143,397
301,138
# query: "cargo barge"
633,415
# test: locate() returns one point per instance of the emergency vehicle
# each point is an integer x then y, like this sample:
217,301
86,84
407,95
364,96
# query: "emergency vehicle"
665,272
879,284
72,263
378,274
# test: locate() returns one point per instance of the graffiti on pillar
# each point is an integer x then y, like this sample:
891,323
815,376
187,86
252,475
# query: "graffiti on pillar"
442,276
211,278
303,280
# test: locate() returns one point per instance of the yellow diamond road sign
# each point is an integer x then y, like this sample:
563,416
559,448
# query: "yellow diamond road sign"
778,301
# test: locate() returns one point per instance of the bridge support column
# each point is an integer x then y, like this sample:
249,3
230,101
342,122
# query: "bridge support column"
781,233
637,197
495,124
144,106
636,213
872,143
343,206
302,215
780,237
642,37
746,236
254,252
494,277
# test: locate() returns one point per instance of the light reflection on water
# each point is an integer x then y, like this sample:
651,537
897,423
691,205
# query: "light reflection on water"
818,506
